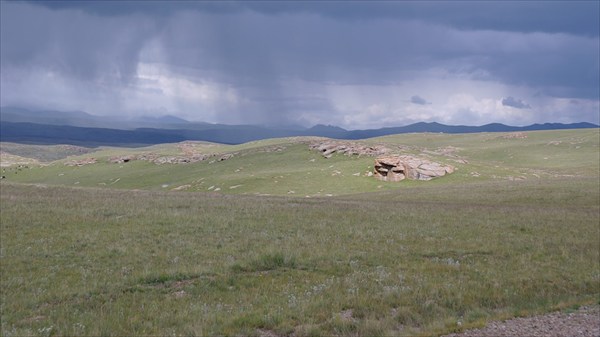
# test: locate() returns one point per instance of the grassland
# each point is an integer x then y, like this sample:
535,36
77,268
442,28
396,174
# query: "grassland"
296,170
519,237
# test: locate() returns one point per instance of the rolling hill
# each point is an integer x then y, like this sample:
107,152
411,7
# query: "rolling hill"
287,166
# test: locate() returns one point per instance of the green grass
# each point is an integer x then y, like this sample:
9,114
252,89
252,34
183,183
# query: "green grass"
44,153
80,261
300,172
110,250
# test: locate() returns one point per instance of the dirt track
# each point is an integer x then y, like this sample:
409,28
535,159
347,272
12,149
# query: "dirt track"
584,322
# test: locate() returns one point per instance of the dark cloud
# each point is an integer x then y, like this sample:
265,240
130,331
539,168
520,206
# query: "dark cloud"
574,17
416,99
246,42
72,43
515,103
93,50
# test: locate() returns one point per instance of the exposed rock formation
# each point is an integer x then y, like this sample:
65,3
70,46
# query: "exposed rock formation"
179,159
328,148
397,168
81,162
121,159
156,159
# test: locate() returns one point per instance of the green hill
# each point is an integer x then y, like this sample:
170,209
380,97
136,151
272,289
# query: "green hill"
287,165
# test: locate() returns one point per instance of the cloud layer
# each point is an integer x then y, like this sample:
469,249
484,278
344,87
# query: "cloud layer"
305,63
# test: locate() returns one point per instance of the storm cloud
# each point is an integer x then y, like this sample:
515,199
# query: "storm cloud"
416,99
305,62
515,103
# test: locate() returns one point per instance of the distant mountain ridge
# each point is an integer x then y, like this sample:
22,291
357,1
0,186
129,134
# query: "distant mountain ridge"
24,126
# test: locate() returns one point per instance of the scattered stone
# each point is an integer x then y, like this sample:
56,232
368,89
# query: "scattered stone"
234,187
514,135
180,188
226,156
328,148
177,160
397,168
121,159
188,157
81,162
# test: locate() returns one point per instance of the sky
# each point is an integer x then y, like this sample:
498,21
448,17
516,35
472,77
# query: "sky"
354,64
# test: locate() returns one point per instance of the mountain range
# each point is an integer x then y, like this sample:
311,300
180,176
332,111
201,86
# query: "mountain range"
79,128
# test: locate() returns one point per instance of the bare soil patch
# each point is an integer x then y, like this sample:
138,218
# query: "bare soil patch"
584,322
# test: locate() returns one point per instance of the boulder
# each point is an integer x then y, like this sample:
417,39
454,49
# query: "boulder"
398,168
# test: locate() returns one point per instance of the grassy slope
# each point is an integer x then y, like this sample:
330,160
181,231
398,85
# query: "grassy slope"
545,154
411,258
43,153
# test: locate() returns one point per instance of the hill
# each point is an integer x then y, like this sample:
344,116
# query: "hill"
287,166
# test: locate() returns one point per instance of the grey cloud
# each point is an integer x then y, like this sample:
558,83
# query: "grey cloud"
419,100
574,17
71,42
515,103
258,47
249,46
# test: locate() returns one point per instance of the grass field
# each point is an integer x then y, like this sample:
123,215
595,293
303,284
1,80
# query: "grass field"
520,237
295,170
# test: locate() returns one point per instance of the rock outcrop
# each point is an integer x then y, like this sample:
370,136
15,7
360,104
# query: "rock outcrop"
397,168
328,148
159,160
121,159
81,162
